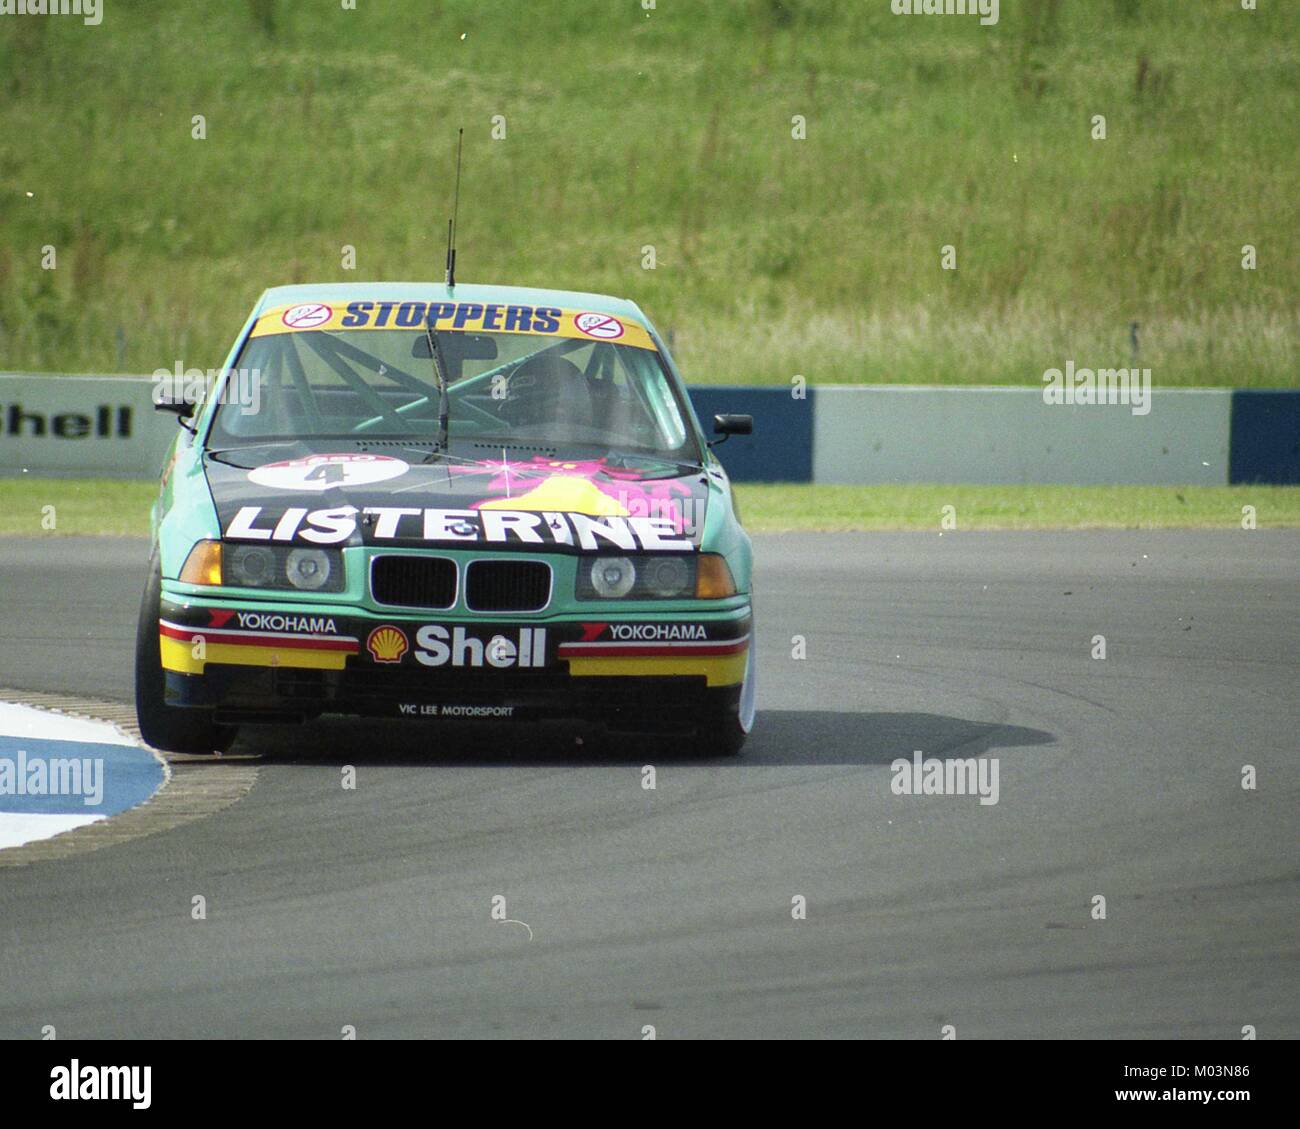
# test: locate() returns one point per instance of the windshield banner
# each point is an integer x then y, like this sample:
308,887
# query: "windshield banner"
465,317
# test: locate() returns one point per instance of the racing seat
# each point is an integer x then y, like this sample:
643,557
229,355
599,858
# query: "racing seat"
549,390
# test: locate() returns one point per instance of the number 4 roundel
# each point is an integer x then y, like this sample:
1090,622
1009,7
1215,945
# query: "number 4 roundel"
325,472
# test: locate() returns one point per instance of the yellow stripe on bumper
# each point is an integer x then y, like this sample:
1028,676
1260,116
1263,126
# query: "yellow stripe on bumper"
719,670
178,656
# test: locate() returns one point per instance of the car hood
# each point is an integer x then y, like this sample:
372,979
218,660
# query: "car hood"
397,495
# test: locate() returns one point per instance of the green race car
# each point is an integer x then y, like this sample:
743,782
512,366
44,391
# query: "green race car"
468,504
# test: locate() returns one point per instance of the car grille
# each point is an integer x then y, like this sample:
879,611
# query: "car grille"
413,582
507,586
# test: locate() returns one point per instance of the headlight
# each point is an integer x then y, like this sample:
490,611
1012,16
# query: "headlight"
666,577
264,566
308,568
612,577
250,566
656,576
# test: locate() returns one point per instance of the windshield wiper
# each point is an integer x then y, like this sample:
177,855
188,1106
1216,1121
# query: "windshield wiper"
215,453
625,459
439,367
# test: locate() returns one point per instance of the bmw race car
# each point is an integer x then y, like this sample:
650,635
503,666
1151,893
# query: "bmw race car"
467,504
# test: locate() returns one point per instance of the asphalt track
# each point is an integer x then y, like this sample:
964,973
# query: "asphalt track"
1118,777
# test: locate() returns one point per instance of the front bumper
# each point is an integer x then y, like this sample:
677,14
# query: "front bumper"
265,662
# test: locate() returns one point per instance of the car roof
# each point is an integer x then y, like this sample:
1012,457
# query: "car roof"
437,291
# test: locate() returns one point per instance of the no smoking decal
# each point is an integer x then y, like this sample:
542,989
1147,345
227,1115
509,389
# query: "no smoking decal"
601,326
323,472
307,316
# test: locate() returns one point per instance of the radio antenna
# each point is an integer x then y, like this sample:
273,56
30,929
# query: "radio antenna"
455,213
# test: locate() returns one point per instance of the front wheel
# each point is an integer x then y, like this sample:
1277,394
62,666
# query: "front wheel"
169,728
726,724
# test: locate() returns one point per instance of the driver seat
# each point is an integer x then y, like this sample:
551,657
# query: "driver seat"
557,389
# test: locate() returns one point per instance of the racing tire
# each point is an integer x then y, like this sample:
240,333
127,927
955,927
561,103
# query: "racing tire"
725,725
169,728
719,734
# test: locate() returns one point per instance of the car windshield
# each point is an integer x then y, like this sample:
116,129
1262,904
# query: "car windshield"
513,388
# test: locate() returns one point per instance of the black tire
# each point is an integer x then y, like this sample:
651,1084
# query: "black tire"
720,733
169,728
727,719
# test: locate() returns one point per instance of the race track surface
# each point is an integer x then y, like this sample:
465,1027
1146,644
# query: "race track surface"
1118,777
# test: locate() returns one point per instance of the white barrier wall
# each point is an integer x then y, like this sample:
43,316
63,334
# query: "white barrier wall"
97,426
888,433
107,426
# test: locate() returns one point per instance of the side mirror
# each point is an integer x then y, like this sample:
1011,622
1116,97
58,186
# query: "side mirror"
183,411
729,425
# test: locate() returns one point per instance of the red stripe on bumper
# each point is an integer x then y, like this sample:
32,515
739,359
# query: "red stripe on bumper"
251,639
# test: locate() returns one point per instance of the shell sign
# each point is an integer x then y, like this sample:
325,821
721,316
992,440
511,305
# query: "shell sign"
387,644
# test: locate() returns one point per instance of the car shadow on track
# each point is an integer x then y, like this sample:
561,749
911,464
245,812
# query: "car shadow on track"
804,737
780,737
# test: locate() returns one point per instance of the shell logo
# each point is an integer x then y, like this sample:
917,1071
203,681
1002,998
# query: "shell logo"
387,644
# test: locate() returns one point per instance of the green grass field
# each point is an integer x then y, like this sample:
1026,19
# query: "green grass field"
114,507
770,509
671,128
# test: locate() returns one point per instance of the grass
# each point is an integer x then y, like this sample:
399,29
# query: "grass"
769,509
671,128
80,506
115,507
